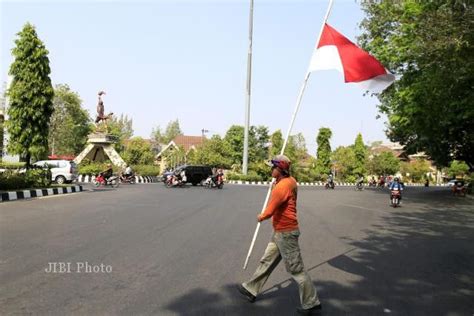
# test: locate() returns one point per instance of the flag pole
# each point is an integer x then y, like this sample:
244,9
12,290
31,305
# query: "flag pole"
245,157
293,118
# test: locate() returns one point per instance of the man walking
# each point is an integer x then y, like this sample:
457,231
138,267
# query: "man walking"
284,242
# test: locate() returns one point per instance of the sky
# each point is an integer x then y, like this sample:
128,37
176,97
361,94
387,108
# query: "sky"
164,60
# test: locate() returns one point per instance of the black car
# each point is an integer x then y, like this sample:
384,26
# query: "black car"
195,174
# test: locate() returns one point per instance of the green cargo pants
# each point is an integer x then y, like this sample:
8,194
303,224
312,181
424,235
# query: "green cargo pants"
284,245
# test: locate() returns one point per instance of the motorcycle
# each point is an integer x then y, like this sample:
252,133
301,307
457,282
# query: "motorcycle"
130,179
112,181
395,196
329,185
372,183
459,190
359,186
174,181
214,182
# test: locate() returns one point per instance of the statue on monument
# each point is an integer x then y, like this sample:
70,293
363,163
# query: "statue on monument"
101,117
100,142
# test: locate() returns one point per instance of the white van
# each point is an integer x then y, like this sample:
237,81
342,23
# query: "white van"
61,170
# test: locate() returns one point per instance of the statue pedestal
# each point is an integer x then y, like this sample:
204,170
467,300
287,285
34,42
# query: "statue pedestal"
99,147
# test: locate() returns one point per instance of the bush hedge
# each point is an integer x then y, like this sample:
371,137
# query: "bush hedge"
32,178
146,170
11,165
93,168
251,176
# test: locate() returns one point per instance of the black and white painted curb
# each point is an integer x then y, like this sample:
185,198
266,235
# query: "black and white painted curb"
321,184
138,179
28,194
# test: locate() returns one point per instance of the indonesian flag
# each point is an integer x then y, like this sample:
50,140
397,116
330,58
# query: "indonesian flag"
334,51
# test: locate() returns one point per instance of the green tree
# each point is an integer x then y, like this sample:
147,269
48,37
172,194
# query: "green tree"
122,128
30,97
276,141
458,168
157,135
262,139
2,111
70,123
258,143
214,152
138,152
323,154
175,157
360,153
172,130
345,162
384,164
296,151
164,137
430,45
416,169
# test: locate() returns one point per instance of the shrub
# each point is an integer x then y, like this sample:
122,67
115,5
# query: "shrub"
91,169
11,165
32,178
251,176
12,181
146,170
38,177
86,167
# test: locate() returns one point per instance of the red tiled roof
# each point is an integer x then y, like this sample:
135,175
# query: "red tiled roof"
188,141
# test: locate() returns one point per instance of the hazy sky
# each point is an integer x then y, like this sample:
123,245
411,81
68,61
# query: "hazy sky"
162,60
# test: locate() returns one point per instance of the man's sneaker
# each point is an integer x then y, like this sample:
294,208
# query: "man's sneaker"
311,311
249,296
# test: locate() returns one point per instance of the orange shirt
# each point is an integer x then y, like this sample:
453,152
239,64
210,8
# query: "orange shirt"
282,205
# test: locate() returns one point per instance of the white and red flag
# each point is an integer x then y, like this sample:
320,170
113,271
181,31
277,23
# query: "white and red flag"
335,51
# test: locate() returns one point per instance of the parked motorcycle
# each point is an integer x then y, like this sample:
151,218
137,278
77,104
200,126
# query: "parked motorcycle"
112,181
214,182
395,196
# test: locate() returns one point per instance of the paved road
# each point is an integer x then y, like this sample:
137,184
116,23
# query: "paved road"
180,252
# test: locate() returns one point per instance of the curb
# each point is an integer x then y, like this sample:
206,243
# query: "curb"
138,179
28,194
321,184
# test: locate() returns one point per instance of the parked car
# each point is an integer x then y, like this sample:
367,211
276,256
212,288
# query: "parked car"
195,174
62,171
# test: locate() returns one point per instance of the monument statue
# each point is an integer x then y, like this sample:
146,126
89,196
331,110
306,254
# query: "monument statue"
101,117
100,143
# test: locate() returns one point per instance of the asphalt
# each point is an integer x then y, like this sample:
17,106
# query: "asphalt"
180,252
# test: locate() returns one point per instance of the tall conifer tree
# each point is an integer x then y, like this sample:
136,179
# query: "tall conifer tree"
30,97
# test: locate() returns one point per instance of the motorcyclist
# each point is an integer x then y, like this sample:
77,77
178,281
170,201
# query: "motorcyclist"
127,173
183,176
360,181
330,178
382,181
108,172
396,185
215,177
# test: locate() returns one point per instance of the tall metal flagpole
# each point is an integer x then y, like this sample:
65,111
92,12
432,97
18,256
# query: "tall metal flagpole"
293,118
247,99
